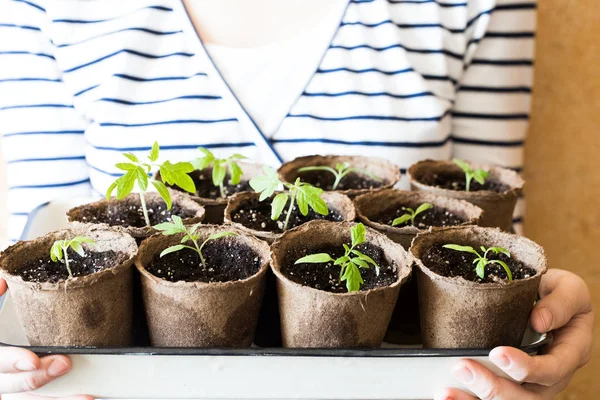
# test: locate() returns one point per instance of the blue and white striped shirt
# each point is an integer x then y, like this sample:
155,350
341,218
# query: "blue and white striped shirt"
83,81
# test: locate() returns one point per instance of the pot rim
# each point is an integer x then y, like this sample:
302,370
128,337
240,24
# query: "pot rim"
540,269
503,175
403,272
261,248
129,248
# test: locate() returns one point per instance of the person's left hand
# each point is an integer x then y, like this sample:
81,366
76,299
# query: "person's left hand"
565,307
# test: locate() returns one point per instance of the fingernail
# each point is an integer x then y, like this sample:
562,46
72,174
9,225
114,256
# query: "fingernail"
463,374
500,360
24,365
547,317
58,368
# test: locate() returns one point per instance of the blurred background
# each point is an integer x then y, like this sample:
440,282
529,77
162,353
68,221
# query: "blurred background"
561,168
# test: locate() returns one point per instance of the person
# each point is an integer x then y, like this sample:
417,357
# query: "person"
83,82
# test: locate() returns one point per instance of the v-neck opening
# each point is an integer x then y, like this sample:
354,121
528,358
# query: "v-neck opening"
235,96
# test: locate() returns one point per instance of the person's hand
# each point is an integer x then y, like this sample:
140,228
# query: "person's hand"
565,307
23,371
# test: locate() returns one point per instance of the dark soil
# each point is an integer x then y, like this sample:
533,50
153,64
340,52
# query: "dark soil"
45,270
226,260
206,189
433,217
326,276
451,263
257,215
120,214
456,181
325,180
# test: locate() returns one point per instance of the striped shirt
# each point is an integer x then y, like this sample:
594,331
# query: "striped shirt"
83,81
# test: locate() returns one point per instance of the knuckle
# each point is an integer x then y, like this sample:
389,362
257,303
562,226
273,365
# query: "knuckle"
490,390
31,382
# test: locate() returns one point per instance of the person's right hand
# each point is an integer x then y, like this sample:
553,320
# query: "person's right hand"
22,371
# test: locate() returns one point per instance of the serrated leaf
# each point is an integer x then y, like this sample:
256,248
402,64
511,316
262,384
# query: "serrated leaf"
142,179
315,258
163,192
154,152
126,166
341,260
311,196
236,172
220,235
358,234
265,184
169,228
172,249
218,173
201,163
125,184
277,205
352,277
131,157
401,219
177,174
360,263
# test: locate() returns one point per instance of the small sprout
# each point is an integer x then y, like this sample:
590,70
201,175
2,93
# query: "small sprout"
482,261
302,193
58,252
340,171
191,235
350,263
478,174
137,171
411,214
220,166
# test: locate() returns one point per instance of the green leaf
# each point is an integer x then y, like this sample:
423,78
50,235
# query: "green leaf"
56,252
265,184
346,247
503,264
154,152
142,179
125,184
236,172
462,165
218,173
342,166
171,249
76,246
360,263
358,234
341,260
201,163
168,228
315,258
131,157
163,192
498,250
401,219
277,205
364,257
352,277
480,176
126,166
177,174
467,249
311,196
480,269
110,189
423,207
83,239
318,168
220,235
237,156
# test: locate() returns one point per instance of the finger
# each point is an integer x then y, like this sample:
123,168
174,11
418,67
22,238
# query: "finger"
548,392
488,386
570,350
14,359
31,396
51,367
3,286
453,394
564,295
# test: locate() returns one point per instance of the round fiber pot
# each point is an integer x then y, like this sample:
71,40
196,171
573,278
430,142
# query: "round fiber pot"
336,202
459,313
209,196
202,314
320,319
353,184
372,205
128,212
87,310
498,206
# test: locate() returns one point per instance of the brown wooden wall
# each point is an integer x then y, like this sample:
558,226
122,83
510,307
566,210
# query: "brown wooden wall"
562,154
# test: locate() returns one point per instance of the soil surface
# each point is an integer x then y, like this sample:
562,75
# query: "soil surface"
206,189
325,180
433,217
456,181
226,260
326,276
45,270
121,214
257,215
451,263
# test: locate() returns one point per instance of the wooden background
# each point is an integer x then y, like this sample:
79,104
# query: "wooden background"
562,168
563,153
